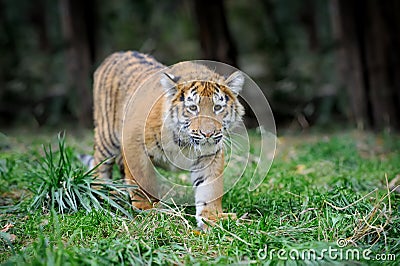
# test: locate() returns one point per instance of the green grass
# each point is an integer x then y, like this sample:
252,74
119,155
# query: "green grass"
321,188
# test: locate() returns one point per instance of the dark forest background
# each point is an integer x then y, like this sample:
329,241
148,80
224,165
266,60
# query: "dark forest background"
319,62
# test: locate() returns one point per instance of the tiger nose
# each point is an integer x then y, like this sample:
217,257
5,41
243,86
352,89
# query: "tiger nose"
207,133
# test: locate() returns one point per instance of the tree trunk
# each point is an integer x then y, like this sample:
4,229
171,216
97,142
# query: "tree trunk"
215,39
382,58
75,21
367,33
38,19
281,59
308,19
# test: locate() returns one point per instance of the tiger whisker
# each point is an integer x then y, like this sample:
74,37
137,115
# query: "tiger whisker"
233,143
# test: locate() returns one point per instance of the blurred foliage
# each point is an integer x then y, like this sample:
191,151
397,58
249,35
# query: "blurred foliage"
272,38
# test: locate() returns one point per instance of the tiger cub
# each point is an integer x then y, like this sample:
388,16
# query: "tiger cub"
194,110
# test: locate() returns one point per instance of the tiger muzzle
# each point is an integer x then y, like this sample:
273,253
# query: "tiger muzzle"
205,130
201,137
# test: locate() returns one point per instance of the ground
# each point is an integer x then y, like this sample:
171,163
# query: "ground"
328,197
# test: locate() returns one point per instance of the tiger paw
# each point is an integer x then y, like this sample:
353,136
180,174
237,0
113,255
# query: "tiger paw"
208,220
142,205
227,215
141,201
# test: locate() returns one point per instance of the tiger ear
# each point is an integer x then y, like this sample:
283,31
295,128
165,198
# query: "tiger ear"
235,82
168,82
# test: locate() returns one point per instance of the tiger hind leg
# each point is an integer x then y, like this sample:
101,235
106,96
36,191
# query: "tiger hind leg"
87,160
104,162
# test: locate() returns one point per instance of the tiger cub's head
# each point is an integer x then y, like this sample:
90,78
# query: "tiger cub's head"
202,112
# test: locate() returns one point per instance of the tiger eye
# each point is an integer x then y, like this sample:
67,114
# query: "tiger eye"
193,108
217,107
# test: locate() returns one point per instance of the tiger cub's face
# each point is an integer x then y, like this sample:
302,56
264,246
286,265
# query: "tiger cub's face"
202,112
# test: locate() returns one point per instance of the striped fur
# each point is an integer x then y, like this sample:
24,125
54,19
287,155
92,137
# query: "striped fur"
195,111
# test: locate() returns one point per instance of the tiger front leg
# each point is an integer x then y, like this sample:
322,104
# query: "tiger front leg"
146,186
207,179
